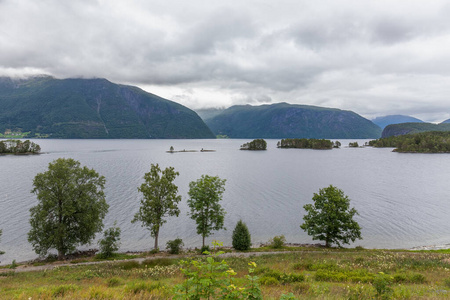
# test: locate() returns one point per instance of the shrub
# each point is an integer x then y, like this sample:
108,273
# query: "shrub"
382,284
268,280
204,249
175,246
241,237
277,241
110,242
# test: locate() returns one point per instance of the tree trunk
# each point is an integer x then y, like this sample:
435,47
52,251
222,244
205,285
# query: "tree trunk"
60,255
156,240
203,246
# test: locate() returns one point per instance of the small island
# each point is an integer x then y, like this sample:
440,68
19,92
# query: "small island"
172,150
17,147
424,142
318,144
258,144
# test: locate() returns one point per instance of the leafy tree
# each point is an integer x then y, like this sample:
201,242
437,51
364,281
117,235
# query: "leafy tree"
160,199
241,237
110,242
71,207
205,195
330,218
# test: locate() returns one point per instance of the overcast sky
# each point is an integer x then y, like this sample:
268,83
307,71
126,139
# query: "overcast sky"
373,57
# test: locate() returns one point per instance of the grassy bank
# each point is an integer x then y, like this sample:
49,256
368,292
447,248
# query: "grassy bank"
309,274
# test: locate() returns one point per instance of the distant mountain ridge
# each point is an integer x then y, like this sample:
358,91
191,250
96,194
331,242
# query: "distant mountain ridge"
394,119
283,120
93,108
409,128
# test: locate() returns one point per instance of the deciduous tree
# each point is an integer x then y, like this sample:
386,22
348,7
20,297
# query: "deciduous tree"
205,195
160,199
71,207
330,218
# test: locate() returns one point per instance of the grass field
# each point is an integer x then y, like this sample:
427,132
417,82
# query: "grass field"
316,273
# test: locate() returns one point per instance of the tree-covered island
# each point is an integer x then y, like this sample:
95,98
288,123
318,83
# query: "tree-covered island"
258,144
19,147
319,144
424,142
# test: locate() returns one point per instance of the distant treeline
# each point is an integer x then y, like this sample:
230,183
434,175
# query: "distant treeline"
19,147
424,142
307,143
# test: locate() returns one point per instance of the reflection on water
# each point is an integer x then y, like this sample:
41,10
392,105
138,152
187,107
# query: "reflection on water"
403,199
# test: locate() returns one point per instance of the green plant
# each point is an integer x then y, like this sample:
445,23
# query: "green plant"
74,197
160,199
330,218
110,242
214,279
382,284
241,237
150,263
13,264
205,209
268,280
277,241
289,296
204,249
175,246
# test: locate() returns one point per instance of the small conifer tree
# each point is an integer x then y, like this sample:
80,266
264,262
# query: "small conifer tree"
241,237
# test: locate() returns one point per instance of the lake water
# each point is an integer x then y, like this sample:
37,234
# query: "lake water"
403,199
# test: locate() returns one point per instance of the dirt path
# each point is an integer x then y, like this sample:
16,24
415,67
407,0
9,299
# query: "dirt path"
30,268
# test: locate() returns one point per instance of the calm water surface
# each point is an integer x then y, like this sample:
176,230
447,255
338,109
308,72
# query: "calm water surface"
403,199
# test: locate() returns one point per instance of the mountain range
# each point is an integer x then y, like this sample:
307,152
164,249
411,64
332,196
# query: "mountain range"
394,119
92,108
283,120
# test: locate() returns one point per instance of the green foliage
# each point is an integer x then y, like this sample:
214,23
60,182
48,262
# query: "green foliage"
71,207
413,128
205,209
205,249
19,147
283,120
382,284
258,144
336,144
160,199
93,108
214,279
280,278
353,144
426,142
175,246
241,238
110,242
277,242
305,144
13,264
330,218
